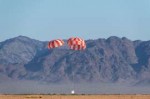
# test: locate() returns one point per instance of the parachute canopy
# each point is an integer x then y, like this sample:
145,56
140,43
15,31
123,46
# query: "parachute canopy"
76,43
55,43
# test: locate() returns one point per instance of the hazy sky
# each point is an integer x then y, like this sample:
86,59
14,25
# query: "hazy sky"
51,19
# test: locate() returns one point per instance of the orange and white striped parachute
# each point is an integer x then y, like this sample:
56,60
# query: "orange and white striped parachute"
55,43
76,43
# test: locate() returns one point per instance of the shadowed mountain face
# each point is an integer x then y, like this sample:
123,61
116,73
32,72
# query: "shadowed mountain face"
104,60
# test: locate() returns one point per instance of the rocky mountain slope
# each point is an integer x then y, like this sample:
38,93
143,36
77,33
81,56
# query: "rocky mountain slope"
105,60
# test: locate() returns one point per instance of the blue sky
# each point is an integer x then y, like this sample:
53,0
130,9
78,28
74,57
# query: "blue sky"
89,19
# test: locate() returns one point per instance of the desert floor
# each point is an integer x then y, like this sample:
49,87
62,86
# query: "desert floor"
74,96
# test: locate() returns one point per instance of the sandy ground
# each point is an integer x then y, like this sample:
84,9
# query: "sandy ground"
74,96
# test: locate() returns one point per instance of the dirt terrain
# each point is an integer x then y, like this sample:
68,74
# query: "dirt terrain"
74,96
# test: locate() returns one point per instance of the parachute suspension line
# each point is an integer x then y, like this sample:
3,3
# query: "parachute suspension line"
73,77
73,91
76,44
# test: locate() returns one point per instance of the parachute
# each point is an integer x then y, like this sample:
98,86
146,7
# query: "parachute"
76,43
55,43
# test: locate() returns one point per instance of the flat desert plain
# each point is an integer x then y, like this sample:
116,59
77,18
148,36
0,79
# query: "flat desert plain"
74,96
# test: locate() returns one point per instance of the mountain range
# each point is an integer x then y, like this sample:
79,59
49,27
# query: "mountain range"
115,60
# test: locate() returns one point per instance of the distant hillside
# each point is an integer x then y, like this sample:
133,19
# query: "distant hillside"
105,60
